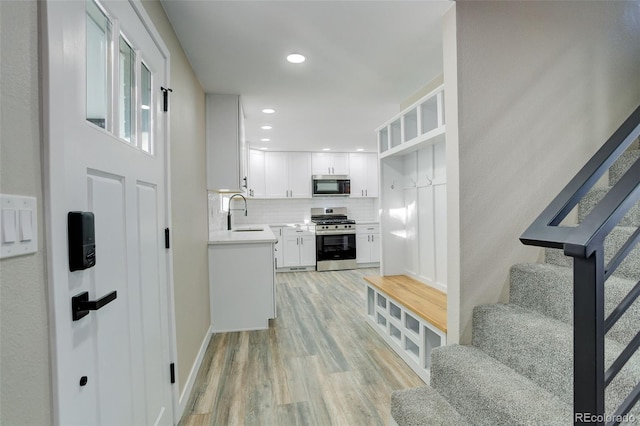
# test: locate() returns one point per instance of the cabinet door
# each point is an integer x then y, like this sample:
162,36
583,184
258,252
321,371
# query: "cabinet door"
257,186
291,253
300,174
276,174
363,248
222,141
321,163
357,175
307,249
340,163
371,174
375,247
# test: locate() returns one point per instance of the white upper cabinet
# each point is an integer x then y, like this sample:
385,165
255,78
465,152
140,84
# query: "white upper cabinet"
287,174
364,174
226,146
256,186
330,163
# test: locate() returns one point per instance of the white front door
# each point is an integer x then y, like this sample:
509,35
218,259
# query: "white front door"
105,154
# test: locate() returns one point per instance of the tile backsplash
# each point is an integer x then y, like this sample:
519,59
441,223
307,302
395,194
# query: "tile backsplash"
287,210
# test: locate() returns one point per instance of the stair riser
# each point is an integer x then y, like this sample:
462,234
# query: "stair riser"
549,290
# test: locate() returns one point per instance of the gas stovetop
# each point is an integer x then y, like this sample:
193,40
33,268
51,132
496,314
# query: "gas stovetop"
332,221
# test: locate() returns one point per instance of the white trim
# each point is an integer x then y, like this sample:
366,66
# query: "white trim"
193,374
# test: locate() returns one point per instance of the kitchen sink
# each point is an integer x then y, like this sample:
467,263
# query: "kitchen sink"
247,230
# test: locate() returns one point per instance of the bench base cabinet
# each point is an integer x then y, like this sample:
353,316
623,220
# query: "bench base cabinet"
409,336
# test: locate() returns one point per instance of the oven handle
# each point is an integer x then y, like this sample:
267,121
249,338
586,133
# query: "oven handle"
335,233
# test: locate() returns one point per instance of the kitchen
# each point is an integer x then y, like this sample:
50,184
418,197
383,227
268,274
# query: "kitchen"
294,161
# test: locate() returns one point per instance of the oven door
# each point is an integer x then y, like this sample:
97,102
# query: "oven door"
335,247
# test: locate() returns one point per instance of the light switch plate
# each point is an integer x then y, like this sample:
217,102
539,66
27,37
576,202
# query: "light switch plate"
18,222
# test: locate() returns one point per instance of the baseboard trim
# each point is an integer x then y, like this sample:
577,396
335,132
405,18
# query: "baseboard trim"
193,374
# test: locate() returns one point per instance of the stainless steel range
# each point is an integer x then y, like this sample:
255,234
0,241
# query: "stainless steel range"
335,239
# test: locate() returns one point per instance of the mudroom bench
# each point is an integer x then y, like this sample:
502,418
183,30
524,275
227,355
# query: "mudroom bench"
411,317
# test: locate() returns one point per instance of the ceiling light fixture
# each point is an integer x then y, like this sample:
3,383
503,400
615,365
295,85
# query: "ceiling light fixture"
267,127
296,58
360,149
265,139
268,110
264,148
326,149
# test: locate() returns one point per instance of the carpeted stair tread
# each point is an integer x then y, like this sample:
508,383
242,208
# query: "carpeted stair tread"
548,289
622,164
541,349
487,392
423,406
629,268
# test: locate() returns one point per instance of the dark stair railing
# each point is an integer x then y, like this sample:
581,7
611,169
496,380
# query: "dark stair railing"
585,243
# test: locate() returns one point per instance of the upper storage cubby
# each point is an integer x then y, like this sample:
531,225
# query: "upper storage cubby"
422,122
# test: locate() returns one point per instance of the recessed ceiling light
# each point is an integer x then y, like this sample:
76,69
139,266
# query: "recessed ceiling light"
326,149
265,139
264,148
268,110
296,58
266,127
360,149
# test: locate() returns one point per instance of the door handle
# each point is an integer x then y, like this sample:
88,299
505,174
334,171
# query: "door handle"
81,305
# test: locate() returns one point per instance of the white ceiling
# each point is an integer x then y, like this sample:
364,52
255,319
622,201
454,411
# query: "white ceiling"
363,59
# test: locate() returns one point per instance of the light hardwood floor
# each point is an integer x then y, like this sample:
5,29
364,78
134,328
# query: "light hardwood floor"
318,364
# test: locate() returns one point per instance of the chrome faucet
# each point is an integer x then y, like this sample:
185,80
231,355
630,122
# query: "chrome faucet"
229,212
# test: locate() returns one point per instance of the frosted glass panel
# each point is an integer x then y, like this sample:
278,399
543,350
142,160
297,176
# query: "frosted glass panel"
395,133
126,94
98,35
384,139
411,124
429,114
145,112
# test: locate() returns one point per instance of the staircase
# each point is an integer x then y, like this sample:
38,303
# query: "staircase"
519,368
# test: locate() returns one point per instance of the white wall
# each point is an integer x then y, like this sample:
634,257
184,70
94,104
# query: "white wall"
541,85
189,234
25,373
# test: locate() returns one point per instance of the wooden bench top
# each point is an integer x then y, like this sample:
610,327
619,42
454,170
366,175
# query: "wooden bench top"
426,302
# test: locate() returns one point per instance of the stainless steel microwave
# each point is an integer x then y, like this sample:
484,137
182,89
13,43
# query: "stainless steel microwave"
331,185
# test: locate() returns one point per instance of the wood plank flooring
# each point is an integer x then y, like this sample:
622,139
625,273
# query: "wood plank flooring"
318,364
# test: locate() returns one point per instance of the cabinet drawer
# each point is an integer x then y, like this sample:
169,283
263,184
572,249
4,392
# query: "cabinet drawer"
368,229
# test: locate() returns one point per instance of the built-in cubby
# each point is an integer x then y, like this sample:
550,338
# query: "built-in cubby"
407,332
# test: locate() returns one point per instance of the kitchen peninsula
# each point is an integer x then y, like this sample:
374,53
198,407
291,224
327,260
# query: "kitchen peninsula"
242,278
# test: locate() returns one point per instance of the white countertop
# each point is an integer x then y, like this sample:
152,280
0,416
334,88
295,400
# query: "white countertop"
263,235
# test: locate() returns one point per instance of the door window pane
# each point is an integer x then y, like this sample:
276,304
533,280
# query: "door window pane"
127,110
98,66
145,106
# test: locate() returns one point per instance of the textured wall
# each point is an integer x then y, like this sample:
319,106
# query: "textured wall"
25,383
189,234
541,85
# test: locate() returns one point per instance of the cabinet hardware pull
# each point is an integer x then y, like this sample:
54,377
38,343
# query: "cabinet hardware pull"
366,192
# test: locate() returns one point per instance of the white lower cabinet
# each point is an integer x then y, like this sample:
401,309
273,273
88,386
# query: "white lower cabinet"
368,243
409,335
299,247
